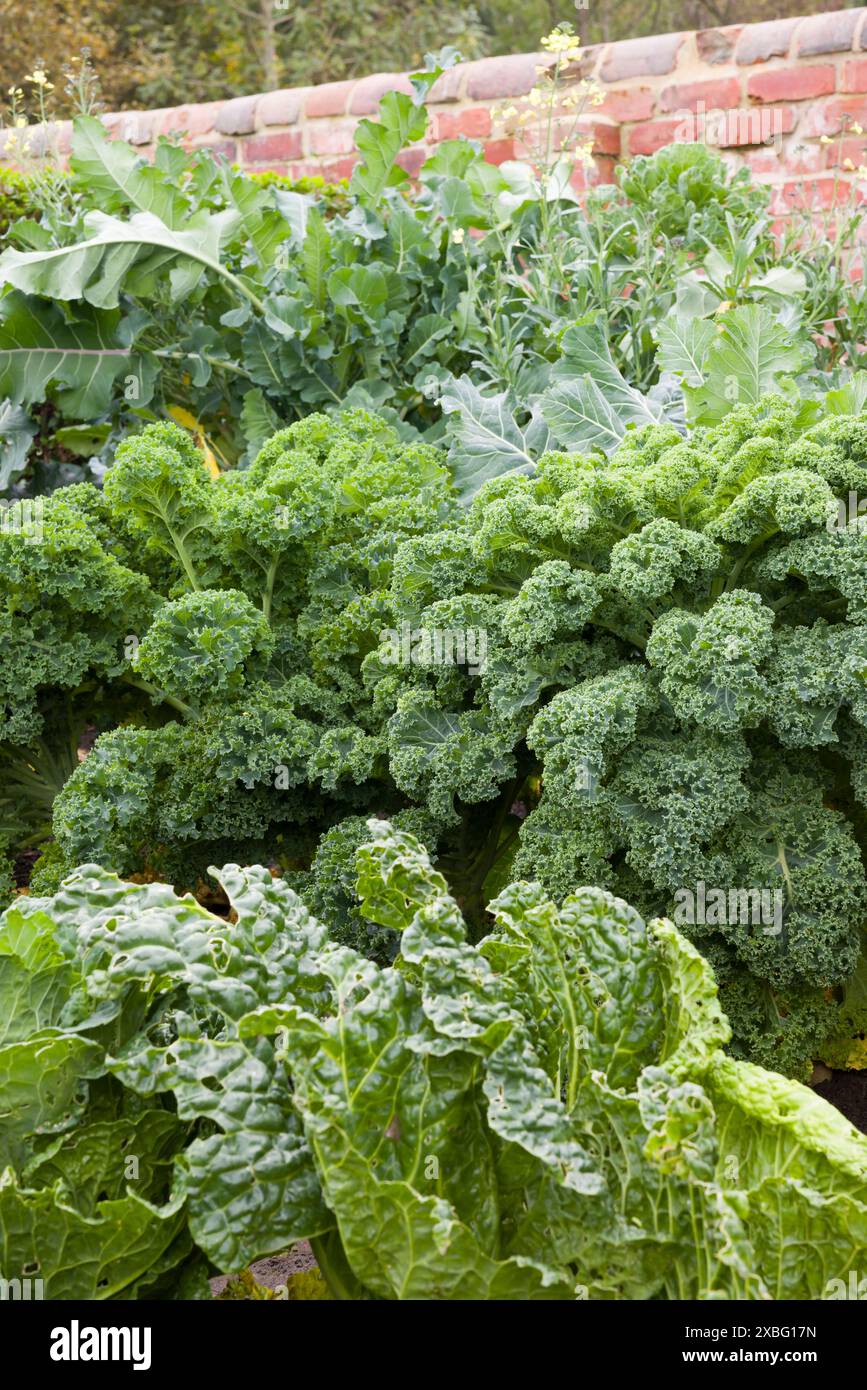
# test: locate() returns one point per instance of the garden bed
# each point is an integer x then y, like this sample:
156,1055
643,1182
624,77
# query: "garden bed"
433,721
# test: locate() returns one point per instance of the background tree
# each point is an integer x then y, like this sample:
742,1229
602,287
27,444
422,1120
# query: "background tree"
516,28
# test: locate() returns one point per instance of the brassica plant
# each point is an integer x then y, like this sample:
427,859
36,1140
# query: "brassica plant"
644,673
184,288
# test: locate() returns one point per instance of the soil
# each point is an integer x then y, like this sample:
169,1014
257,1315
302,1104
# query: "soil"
847,1090
276,1269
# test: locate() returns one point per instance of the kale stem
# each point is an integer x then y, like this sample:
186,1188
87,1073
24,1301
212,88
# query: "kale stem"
737,568
183,556
221,363
268,596
632,638
489,850
186,710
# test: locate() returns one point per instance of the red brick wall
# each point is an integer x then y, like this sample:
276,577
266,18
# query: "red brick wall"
775,96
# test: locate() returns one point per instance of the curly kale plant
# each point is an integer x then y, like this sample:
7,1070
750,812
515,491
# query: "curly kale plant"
546,1115
645,673
225,623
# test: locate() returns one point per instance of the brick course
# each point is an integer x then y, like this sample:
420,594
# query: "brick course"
688,96
792,84
473,121
261,150
853,75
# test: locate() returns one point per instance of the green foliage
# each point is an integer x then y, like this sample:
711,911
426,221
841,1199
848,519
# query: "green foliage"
233,298
20,195
738,359
484,294
546,1115
160,492
402,121
16,199
7,879
332,197
67,600
200,53
644,672
225,645
615,636
683,189
677,302
328,888
205,645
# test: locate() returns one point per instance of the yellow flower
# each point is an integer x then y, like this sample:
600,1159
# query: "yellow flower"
558,42
847,164
39,76
573,54
458,236
858,129
509,111
824,140
20,122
